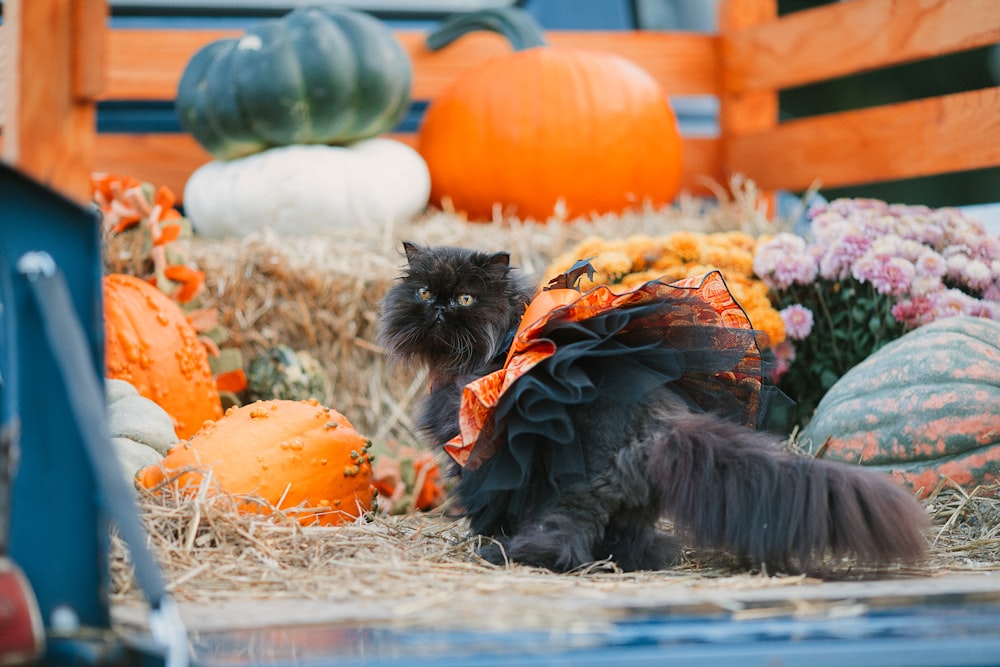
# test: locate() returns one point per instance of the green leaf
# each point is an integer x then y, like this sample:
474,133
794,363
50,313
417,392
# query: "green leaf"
828,379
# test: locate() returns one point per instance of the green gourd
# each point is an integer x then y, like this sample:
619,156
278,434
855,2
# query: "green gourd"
141,431
314,76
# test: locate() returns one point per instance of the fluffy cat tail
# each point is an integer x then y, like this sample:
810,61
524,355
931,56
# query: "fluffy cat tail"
732,488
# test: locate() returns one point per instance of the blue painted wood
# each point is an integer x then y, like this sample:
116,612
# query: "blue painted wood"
57,533
952,635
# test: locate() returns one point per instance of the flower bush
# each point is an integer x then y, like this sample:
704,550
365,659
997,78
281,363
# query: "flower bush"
630,262
867,273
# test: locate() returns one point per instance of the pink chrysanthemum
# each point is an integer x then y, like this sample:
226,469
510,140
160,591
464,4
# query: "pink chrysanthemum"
836,261
950,303
798,321
931,264
894,276
914,312
784,261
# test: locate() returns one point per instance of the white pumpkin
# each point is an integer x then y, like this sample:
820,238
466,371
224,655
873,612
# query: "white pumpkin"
308,189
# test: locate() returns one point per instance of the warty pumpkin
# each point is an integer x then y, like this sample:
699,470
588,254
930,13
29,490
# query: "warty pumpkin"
547,129
151,344
923,408
298,456
318,75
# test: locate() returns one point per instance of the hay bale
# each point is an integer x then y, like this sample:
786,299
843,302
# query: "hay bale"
321,294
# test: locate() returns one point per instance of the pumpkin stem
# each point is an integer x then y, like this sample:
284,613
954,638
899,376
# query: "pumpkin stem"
516,25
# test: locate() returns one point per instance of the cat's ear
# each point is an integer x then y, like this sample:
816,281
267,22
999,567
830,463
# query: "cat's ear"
499,259
412,251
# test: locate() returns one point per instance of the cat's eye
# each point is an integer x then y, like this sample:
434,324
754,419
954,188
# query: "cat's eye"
424,294
465,299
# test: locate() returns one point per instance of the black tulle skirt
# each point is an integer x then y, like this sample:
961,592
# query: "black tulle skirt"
600,353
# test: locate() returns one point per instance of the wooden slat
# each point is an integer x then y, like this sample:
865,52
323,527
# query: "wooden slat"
169,159
684,64
847,37
937,135
162,159
88,59
49,123
147,64
744,112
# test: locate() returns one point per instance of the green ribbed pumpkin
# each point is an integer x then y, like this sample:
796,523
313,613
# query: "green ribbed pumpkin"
314,76
923,408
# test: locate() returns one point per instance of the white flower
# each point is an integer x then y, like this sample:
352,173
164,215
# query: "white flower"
977,274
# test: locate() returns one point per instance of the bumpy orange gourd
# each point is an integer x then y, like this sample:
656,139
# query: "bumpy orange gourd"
150,343
549,124
300,454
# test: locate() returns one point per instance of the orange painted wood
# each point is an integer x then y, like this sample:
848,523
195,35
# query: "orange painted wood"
937,135
684,64
169,159
162,159
88,52
702,165
147,64
48,129
846,37
743,112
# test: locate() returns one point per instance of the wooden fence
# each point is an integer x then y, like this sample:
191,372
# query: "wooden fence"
60,58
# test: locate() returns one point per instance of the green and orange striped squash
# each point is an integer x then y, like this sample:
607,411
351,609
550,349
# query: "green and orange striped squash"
925,408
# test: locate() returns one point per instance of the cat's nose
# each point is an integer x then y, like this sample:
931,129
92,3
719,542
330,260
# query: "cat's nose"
439,314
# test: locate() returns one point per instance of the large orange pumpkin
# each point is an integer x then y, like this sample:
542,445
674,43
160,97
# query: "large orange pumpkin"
547,125
306,457
150,343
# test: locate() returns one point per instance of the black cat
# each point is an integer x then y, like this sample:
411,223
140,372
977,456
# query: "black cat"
616,431
455,312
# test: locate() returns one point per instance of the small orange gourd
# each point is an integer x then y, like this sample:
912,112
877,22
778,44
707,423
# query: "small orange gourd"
151,344
298,456
545,125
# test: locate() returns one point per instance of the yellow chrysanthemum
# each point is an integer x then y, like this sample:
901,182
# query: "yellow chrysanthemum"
633,280
627,263
612,263
589,247
642,250
769,321
667,260
687,245
672,273
737,240
735,261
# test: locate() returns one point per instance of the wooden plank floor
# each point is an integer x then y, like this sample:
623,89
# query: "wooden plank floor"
519,604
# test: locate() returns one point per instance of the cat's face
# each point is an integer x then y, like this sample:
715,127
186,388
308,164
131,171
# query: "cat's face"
451,309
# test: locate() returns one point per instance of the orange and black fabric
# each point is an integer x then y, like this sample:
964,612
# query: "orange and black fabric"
573,349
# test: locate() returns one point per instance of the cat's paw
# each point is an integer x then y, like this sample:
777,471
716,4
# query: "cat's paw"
641,549
495,552
551,546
